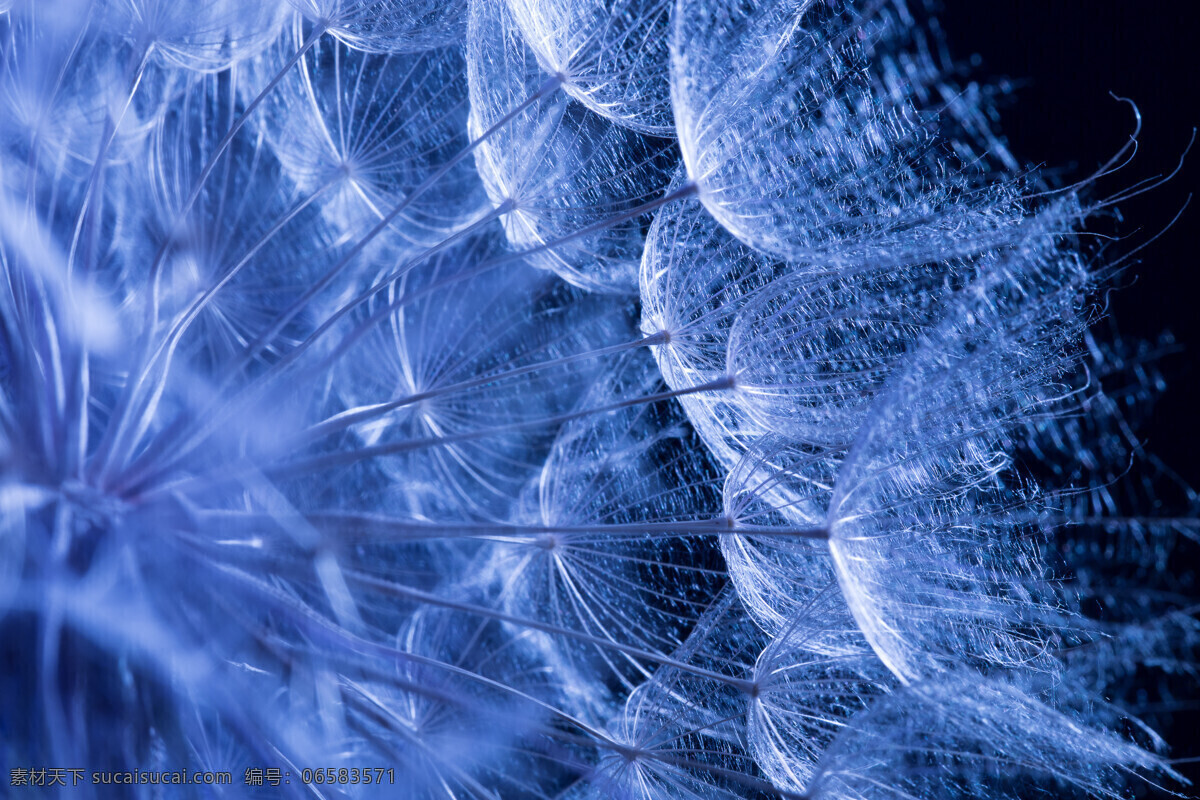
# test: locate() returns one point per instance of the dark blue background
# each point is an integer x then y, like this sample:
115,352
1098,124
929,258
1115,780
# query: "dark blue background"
1064,57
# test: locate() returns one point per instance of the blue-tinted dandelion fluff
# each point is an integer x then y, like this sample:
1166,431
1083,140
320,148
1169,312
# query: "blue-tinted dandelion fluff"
560,398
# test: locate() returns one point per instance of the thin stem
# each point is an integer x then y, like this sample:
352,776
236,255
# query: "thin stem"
251,352
396,590
230,475
260,343
347,419
121,413
350,527
215,419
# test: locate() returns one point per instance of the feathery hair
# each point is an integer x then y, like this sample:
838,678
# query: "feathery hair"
559,399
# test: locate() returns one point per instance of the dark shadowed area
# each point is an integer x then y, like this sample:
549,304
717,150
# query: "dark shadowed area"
1062,59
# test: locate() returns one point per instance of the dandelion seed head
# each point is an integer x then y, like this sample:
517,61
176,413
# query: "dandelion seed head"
647,398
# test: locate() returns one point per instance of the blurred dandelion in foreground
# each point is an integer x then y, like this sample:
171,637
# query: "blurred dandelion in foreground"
561,398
